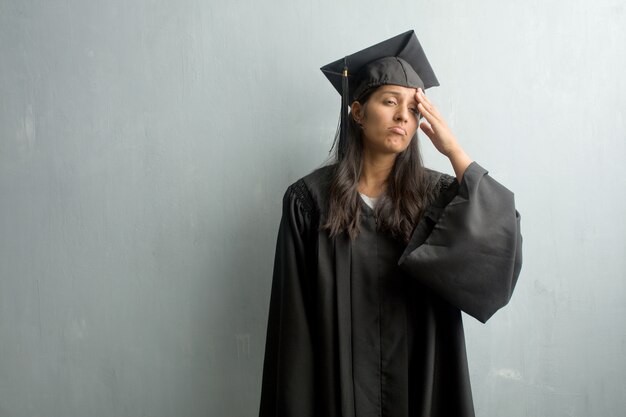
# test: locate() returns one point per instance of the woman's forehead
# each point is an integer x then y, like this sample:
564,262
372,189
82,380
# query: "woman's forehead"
397,90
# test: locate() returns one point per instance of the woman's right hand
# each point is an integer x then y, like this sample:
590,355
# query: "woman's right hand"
437,130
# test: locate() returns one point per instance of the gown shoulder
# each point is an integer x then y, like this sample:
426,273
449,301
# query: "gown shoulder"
310,193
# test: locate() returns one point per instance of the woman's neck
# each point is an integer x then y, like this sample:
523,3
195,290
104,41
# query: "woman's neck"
376,170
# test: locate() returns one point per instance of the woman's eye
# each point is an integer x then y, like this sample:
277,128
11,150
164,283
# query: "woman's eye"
390,102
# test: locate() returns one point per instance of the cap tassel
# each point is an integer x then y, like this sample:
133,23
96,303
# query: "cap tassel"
341,136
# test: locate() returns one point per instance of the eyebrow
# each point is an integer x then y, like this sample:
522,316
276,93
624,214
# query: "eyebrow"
396,93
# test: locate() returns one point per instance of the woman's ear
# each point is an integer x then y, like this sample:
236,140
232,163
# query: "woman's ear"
357,112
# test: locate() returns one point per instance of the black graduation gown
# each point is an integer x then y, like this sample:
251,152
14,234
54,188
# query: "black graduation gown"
372,327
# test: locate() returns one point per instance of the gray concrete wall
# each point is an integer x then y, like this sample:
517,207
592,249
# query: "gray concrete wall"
145,146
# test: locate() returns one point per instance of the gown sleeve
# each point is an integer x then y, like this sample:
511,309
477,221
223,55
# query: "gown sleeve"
287,387
467,248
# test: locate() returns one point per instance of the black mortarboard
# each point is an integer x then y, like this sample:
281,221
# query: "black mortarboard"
399,61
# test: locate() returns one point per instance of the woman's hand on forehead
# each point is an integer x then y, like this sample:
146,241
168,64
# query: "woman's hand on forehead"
435,126
437,130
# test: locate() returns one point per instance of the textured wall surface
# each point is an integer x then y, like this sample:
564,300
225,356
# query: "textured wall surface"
145,146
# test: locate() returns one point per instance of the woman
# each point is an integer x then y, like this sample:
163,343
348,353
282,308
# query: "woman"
377,256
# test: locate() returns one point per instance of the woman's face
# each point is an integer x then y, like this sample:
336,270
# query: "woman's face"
389,119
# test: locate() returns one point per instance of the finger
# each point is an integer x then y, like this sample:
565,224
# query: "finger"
421,99
421,94
427,114
428,104
426,128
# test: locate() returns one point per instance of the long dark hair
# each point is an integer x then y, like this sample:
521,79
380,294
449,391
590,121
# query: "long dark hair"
407,189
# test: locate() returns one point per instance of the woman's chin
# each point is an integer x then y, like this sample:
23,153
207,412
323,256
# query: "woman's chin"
396,145
390,145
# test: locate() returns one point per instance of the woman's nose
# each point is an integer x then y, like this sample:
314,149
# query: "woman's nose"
402,113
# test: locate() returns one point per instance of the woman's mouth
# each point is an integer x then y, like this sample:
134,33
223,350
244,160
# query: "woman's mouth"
398,130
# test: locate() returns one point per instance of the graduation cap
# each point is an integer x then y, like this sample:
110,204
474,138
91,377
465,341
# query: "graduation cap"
399,61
